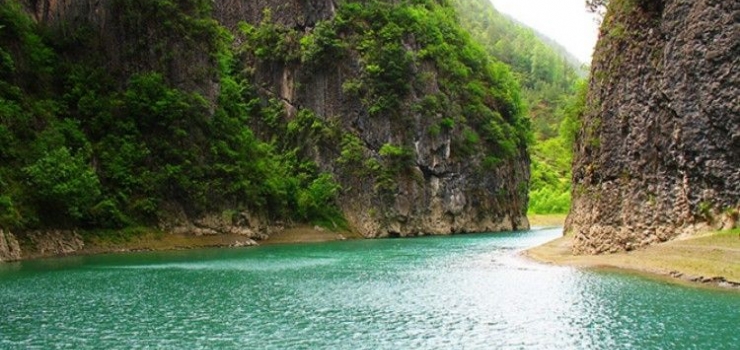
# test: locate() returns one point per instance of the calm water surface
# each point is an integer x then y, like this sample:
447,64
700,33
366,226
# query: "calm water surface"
460,292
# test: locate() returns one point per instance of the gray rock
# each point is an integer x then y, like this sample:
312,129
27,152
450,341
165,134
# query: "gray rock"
56,242
10,250
245,243
659,152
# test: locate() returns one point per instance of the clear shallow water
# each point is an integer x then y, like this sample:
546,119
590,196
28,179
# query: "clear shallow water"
459,292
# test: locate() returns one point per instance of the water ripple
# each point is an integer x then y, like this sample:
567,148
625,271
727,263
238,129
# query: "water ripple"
462,292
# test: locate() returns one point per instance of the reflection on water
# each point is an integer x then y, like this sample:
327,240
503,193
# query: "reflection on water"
461,292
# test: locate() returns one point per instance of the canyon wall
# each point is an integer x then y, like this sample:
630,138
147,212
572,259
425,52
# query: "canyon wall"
658,155
440,189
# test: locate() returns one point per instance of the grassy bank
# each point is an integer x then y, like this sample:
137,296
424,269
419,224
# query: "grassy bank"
546,220
708,259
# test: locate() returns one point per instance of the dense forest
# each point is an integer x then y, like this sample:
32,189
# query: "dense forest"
553,90
82,146
86,143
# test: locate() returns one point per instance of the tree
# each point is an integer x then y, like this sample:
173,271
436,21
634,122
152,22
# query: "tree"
63,182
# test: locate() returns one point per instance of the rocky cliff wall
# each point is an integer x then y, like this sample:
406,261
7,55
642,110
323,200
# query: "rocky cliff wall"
659,152
440,190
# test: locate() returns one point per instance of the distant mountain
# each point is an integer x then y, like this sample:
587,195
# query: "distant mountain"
548,74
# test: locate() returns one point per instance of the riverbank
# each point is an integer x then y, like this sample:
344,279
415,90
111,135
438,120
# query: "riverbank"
57,243
63,243
712,259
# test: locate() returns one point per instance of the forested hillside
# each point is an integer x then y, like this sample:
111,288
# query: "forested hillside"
552,89
381,115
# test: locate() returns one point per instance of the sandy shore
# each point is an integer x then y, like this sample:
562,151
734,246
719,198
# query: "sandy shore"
712,259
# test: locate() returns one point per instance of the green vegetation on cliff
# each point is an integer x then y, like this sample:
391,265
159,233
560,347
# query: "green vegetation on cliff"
85,147
169,121
553,92
392,41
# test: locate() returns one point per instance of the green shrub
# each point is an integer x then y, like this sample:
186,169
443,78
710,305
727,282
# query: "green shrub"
317,200
64,182
549,201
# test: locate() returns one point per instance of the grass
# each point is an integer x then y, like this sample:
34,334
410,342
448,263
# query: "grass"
713,255
546,220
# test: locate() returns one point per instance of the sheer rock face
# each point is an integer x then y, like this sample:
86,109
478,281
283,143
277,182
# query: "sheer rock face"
439,194
659,152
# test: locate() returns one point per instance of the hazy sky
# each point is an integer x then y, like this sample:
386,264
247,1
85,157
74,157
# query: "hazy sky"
565,21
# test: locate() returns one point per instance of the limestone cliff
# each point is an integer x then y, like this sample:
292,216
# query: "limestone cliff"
415,170
659,152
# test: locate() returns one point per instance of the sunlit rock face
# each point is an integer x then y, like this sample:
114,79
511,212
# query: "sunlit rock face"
659,152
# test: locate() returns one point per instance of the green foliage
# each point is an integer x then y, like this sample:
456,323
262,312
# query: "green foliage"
63,183
33,62
89,149
162,31
549,201
320,194
467,143
272,42
398,157
352,151
551,159
321,46
447,123
545,70
392,151
404,49
551,89
136,142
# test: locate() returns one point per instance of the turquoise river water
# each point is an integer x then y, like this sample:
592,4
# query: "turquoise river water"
459,292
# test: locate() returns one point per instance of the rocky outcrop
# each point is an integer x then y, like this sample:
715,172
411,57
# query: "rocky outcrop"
10,250
246,224
55,242
659,152
40,243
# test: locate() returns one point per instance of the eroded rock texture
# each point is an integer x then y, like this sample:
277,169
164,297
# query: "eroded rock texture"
9,248
659,152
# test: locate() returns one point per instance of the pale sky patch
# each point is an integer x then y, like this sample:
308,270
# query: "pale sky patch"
565,21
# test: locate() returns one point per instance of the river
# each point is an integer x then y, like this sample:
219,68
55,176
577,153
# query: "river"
458,292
